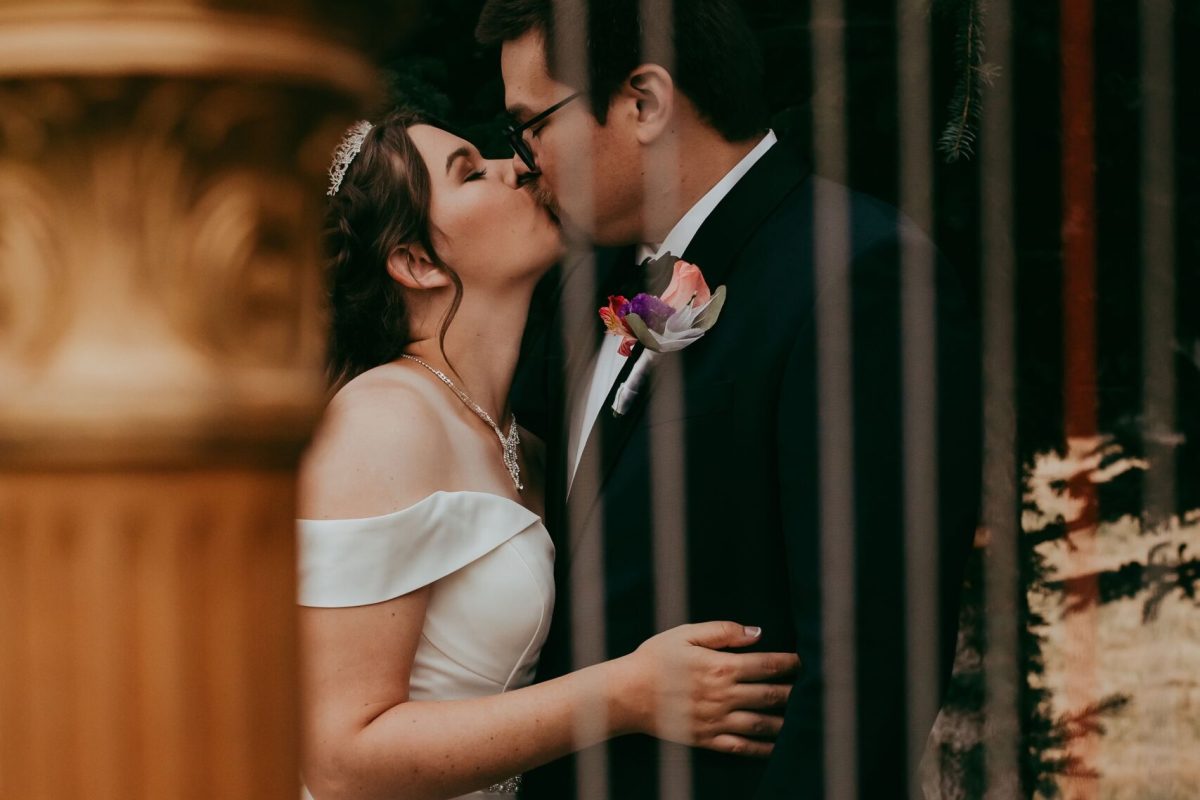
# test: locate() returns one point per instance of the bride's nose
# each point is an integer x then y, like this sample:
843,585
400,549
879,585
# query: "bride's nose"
504,168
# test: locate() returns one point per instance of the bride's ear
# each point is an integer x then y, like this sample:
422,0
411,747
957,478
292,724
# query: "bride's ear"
653,90
411,267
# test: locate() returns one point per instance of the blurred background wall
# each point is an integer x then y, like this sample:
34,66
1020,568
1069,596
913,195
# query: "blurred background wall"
162,172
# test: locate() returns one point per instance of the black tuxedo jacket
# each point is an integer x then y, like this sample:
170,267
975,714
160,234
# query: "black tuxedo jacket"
751,429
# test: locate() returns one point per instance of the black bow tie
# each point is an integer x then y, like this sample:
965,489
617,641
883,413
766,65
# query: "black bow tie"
625,280
650,275
657,273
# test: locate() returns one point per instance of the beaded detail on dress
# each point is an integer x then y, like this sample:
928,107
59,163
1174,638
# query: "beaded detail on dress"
509,786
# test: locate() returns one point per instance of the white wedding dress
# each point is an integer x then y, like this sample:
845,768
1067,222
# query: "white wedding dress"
490,562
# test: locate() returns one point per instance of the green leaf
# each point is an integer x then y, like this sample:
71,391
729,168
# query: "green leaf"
708,317
642,332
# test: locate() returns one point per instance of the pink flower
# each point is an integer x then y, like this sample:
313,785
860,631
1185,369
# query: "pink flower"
687,286
614,320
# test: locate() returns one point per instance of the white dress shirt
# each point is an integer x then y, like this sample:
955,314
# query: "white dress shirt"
608,362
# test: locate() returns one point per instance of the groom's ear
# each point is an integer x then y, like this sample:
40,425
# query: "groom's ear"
653,90
411,267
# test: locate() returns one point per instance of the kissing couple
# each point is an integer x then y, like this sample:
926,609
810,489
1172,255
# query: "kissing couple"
479,594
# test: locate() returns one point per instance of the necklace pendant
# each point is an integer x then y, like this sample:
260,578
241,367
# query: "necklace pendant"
512,455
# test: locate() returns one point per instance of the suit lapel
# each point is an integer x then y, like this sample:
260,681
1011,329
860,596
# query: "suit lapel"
714,249
577,340
584,335
614,430
737,217
604,445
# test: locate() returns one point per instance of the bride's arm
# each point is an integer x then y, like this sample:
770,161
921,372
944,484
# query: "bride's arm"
365,739
380,450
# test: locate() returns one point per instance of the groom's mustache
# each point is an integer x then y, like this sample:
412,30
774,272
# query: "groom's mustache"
541,194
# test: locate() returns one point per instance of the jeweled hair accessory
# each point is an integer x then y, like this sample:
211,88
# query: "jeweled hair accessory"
344,155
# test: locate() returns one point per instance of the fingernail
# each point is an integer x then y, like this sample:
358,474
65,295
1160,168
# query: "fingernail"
753,631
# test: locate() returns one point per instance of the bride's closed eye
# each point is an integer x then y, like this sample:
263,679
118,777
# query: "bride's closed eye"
477,174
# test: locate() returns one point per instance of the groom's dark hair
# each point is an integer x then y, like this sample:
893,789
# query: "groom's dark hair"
718,65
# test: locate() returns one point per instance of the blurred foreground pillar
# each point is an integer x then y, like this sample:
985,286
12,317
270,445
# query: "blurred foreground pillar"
161,338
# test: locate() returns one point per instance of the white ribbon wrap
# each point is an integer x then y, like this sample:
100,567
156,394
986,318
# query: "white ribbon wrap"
627,392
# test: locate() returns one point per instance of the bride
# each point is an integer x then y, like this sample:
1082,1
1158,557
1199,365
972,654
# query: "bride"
425,571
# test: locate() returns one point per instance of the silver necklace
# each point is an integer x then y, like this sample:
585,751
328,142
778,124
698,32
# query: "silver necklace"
510,443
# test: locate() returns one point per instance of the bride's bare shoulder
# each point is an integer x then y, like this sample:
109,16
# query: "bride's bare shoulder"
381,445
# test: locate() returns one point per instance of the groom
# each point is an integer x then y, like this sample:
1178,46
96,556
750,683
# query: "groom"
744,209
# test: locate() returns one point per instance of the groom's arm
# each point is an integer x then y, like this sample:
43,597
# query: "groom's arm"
796,770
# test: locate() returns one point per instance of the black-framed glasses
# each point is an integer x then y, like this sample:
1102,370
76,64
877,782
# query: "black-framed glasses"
516,133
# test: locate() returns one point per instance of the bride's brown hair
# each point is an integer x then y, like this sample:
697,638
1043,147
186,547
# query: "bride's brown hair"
383,203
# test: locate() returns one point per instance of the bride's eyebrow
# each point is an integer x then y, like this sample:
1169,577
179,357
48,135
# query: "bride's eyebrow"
462,152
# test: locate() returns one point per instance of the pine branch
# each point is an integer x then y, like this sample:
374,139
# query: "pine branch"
958,139
1159,577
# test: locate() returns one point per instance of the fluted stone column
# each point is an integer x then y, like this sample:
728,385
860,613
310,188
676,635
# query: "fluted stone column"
161,338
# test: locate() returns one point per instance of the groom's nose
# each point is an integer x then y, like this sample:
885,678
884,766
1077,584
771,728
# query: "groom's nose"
522,170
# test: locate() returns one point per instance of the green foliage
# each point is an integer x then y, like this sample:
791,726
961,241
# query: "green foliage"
958,137
1168,570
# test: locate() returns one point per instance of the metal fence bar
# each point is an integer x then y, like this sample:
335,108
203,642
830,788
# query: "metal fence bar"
668,457
920,381
1158,275
1158,250
1080,308
834,385
588,622
1002,730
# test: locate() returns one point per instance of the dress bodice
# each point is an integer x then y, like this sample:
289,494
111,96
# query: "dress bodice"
489,562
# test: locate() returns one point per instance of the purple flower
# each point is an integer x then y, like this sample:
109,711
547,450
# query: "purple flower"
653,311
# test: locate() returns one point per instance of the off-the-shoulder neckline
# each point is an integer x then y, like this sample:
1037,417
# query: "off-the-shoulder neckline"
426,499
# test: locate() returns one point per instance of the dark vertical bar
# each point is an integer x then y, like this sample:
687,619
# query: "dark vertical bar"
1079,217
667,445
1158,273
919,353
835,384
1158,252
588,623
1001,581
1079,339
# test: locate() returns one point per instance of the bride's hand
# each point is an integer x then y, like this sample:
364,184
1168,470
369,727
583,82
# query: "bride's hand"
681,688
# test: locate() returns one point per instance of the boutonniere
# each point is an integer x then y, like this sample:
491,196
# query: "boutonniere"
681,316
